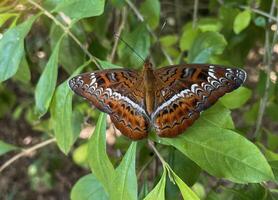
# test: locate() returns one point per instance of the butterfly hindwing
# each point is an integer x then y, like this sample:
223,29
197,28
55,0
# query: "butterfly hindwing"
187,90
116,93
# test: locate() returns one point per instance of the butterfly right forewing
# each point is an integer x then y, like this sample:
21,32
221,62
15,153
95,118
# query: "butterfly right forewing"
187,91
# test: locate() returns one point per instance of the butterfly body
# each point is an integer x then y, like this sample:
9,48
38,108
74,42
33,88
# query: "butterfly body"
168,99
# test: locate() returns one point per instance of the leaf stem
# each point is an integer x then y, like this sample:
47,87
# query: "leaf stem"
25,152
195,13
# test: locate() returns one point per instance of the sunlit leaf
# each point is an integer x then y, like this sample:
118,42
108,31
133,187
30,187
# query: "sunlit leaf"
237,98
159,191
5,147
242,21
151,12
89,188
12,48
125,183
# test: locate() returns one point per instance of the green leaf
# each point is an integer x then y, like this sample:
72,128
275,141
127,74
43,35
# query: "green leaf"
77,9
5,147
186,192
61,114
242,21
207,44
99,162
12,48
223,153
23,73
139,40
125,184
151,12
209,24
188,37
159,191
89,188
6,16
107,65
237,98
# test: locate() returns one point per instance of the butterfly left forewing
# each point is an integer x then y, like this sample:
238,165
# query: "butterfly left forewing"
116,93
186,91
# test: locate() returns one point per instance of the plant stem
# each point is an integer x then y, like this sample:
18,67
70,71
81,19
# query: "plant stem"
25,152
268,62
195,13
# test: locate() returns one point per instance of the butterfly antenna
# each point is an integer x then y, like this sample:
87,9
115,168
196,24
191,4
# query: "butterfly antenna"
162,27
132,49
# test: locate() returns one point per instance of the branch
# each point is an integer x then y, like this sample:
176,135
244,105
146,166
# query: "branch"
66,30
269,16
268,62
195,13
26,152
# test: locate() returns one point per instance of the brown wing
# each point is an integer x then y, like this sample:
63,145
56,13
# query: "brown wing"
117,93
187,90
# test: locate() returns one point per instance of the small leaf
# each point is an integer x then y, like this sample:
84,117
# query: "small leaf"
151,12
237,98
207,44
159,191
209,24
125,183
188,37
77,9
23,73
47,82
5,147
107,65
89,188
242,21
98,159
61,115
186,192
12,48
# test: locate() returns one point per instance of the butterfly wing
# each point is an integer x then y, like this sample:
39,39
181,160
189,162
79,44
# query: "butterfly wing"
186,91
116,92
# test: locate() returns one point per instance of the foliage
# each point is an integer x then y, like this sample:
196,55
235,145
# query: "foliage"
43,45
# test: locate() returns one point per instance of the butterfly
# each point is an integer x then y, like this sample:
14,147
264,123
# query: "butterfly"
169,99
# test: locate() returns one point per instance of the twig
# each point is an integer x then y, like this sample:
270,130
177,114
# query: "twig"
269,16
118,33
195,13
268,62
25,152
141,18
157,153
66,30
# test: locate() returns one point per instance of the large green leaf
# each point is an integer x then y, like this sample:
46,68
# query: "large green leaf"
124,185
206,45
188,36
77,9
99,162
4,147
223,153
47,82
151,12
236,98
159,191
89,188
12,48
61,115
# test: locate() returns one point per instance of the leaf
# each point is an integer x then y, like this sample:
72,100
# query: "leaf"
159,191
237,98
186,192
209,24
207,44
188,37
99,162
89,188
61,115
139,41
223,153
81,9
47,82
125,183
12,48
5,147
23,73
151,12
242,21
107,65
